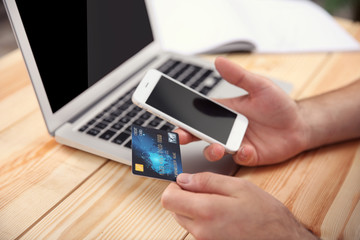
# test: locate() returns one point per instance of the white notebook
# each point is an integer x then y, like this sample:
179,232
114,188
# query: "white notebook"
264,26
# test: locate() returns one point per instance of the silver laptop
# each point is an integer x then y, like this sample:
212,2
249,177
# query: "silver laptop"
85,59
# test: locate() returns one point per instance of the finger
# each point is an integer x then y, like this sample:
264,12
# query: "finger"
246,156
214,152
209,183
185,137
238,76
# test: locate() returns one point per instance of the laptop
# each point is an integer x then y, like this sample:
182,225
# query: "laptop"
85,58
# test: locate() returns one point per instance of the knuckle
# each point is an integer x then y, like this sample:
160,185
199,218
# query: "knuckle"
203,179
242,185
166,198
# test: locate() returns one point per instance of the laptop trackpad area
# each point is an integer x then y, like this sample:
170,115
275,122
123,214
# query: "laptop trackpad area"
193,160
226,90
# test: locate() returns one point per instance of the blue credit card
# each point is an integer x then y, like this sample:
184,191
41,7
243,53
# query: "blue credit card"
155,153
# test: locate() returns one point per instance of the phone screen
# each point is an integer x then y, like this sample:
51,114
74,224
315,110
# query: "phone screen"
192,109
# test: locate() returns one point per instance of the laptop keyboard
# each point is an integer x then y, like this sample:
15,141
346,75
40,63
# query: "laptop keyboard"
114,122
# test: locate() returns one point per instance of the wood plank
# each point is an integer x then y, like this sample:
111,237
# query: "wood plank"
342,68
17,97
17,106
35,172
13,73
112,204
346,207
37,183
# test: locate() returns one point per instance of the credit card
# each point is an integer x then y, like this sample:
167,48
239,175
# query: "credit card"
155,153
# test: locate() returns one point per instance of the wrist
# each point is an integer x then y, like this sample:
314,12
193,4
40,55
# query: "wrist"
314,124
330,117
305,129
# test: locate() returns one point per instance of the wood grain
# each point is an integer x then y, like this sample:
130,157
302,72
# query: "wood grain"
111,204
36,173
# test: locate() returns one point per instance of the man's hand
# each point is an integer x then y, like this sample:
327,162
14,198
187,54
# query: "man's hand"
212,206
275,131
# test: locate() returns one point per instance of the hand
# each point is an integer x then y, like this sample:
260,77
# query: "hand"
212,206
276,129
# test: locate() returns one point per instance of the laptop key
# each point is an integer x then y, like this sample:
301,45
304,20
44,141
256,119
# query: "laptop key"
117,126
125,120
123,107
116,113
193,70
83,128
128,144
154,123
168,66
205,90
132,114
121,138
146,115
93,132
167,127
99,115
139,122
101,125
201,78
109,119
107,135
91,122
138,109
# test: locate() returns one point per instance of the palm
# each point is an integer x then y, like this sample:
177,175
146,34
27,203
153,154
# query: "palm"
274,130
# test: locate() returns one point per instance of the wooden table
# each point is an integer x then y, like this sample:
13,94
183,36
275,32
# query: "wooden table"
48,190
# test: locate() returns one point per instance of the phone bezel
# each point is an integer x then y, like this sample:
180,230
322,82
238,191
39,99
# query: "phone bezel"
147,85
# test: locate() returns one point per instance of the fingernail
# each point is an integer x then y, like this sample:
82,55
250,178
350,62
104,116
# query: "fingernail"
243,155
183,178
212,155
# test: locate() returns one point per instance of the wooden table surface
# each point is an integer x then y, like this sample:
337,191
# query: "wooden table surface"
48,190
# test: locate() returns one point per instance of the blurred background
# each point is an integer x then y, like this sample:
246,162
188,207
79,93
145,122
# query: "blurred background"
349,9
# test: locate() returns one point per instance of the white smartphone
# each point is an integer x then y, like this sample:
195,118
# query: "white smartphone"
184,107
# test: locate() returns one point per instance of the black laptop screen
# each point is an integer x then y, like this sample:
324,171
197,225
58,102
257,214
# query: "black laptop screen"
77,43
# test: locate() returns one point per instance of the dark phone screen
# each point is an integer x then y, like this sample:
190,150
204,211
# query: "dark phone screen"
192,109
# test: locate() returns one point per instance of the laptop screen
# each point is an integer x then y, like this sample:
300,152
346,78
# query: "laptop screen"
77,43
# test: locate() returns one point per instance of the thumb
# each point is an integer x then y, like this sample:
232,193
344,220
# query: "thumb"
208,183
238,76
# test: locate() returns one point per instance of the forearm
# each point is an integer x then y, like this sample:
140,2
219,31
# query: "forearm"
331,117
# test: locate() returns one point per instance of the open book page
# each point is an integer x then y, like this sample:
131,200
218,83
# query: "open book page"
264,26
197,26
283,26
